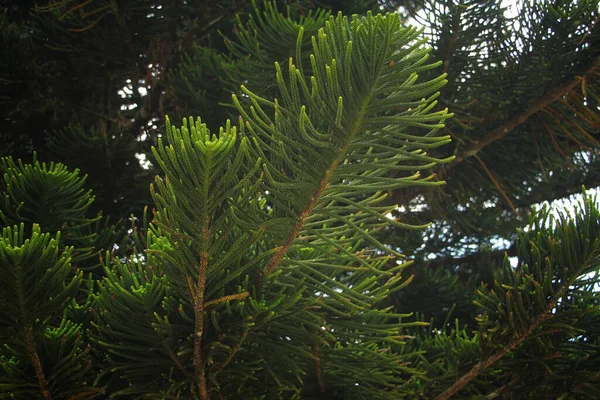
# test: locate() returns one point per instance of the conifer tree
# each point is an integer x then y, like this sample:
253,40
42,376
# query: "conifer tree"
349,213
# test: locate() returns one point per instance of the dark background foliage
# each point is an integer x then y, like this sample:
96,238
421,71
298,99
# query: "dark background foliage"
88,84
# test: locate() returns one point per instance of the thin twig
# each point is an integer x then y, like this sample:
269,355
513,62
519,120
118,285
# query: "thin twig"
470,258
539,158
234,351
557,146
516,378
94,12
178,364
75,8
237,296
497,184
51,7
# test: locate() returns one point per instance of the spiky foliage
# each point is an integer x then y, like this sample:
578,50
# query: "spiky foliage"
267,36
301,298
523,87
42,354
45,194
55,199
537,324
269,267
520,97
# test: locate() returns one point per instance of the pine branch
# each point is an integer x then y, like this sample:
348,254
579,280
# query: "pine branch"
129,39
359,107
485,364
34,288
35,361
520,118
554,256
303,187
314,200
452,36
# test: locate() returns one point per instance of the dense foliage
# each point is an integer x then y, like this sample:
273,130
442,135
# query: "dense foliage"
350,213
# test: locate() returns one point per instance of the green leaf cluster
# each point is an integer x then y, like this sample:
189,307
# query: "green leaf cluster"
43,352
263,241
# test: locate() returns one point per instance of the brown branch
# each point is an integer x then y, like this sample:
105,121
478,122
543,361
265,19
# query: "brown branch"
498,186
197,294
485,364
235,349
237,296
520,118
178,363
37,364
505,388
282,250
198,297
199,306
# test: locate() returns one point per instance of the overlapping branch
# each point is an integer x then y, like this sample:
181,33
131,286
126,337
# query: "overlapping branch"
521,117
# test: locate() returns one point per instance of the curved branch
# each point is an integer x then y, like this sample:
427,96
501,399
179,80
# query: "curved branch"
485,364
520,118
